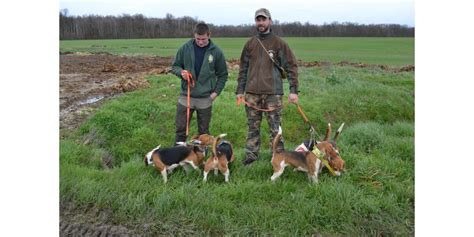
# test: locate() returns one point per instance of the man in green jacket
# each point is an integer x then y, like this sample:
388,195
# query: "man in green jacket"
265,61
201,61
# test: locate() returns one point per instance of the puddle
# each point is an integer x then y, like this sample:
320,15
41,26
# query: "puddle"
91,100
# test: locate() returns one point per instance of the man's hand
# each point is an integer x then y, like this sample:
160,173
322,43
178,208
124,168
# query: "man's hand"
213,96
185,75
240,96
293,98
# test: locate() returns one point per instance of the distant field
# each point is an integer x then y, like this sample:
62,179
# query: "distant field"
390,51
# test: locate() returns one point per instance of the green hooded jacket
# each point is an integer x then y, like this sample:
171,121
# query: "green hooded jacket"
213,75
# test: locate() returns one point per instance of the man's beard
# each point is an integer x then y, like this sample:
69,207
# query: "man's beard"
264,30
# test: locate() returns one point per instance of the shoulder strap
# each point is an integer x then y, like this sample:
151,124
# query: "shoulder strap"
266,51
273,60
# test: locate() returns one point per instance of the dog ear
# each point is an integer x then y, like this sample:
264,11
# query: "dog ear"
195,137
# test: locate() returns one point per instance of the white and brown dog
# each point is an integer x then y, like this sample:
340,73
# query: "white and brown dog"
306,160
165,160
223,154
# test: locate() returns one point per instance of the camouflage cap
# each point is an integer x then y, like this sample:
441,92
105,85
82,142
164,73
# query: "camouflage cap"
263,12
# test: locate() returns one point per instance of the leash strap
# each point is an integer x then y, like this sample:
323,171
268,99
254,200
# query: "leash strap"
306,120
242,100
300,110
190,82
273,60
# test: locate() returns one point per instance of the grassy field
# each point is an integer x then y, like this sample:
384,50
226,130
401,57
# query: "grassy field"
375,196
391,51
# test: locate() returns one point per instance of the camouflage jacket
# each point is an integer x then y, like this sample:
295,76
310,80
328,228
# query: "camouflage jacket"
258,74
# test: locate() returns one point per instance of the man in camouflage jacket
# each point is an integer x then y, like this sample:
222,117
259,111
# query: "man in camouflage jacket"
264,60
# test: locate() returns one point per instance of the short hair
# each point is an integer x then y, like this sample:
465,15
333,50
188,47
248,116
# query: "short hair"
201,29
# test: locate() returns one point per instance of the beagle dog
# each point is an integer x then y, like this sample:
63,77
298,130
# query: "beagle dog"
308,156
222,157
165,160
203,139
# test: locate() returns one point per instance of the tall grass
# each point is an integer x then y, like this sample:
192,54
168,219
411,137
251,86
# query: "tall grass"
375,196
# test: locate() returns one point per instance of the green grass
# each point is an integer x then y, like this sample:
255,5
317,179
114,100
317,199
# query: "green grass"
373,50
375,196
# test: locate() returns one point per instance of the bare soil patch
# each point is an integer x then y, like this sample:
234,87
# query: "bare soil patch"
86,80
77,221
407,68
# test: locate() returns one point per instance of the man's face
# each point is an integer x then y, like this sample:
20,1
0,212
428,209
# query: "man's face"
262,23
201,40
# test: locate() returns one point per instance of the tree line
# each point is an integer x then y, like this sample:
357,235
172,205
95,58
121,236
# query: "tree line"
138,26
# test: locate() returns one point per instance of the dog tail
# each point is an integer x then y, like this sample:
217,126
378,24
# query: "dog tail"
145,160
328,132
338,132
214,144
276,140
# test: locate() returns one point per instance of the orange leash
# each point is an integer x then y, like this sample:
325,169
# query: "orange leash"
190,81
242,100
306,120
300,110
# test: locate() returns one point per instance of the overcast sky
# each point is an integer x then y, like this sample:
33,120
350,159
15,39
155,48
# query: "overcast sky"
222,12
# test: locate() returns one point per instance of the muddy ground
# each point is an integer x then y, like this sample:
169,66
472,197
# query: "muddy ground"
89,221
86,81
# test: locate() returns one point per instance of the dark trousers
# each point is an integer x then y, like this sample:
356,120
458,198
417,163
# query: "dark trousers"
203,121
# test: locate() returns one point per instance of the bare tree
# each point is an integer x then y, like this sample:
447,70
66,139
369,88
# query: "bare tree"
138,26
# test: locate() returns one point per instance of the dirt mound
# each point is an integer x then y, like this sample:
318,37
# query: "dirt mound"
107,63
408,68
313,64
234,64
125,85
